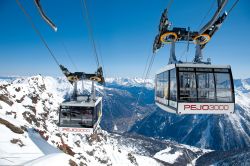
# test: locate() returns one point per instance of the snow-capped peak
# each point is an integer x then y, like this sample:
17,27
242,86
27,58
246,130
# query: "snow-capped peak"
136,82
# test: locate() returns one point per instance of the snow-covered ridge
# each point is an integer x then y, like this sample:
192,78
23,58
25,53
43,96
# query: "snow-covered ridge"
133,82
243,84
242,92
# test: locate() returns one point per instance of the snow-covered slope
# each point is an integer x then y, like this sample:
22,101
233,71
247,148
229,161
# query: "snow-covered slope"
219,158
21,145
28,119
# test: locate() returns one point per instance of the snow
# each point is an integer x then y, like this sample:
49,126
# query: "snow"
205,136
35,148
246,84
138,82
167,156
50,160
41,143
146,161
13,154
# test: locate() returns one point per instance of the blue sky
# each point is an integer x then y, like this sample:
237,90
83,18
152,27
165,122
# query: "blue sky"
124,31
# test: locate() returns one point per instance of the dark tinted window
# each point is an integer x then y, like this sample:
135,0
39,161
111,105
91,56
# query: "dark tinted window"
76,116
65,116
159,85
204,69
87,117
186,69
206,89
223,87
165,85
162,85
173,85
187,89
221,70
213,85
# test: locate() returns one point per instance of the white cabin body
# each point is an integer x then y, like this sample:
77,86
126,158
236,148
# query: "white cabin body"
189,88
80,116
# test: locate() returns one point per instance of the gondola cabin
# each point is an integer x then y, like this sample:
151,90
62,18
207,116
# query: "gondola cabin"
80,116
195,89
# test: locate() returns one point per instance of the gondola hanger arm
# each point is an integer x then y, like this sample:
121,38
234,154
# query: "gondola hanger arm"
44,16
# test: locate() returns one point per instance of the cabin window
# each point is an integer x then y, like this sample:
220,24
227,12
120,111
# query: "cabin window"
223,87
87,117
76,116
221,70
206,88
210,70
173,88
159,91
188,90
65,116
165,85
205,85
158,85
202,85
186,69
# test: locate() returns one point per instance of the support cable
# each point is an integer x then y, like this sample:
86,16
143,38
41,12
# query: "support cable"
110,111
37,31
101,58
169,4
205,16
51,24
183,52
90,30
235,3
91,34
145,119
69,56
147,71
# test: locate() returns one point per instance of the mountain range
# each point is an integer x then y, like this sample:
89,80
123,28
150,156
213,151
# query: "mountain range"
133,130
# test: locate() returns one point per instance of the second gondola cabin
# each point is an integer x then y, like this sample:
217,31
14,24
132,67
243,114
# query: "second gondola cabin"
195,89
80,116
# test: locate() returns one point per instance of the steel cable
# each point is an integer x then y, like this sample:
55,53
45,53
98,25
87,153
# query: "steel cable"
37,31
90,31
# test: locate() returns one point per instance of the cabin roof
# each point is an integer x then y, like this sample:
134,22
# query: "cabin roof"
83,101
